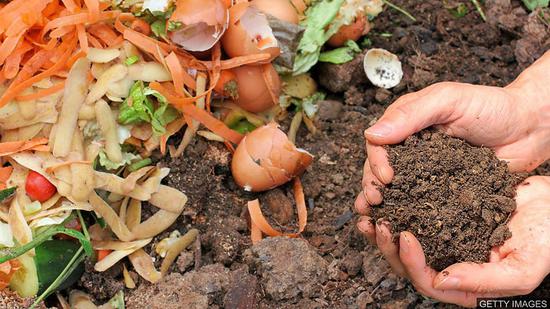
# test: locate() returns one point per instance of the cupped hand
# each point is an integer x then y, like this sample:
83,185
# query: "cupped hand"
515,268
504,119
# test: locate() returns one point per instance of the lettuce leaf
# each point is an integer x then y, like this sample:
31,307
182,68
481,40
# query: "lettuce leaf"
318,17
139,108
341,55
533,4
127,158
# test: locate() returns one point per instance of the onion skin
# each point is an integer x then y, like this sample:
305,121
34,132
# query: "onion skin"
236,42
281,9
266,159
353,32
253,92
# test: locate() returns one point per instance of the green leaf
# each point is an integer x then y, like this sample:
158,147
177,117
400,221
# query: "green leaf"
7,254
534,4
243,126
139,108
139,164
51,258
7,193
318,18
159,28
127,158
131,60
460,11
341,55
174,25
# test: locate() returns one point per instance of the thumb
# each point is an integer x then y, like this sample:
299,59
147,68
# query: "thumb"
414,112
505,277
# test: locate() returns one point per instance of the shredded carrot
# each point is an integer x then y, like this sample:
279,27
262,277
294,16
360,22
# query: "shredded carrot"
74,58
42,93
82,37
101,254
5,173
9,148
52,168
258,221
240,61
141,26
103,32
163,141
7,270
179,76
95,42
93,7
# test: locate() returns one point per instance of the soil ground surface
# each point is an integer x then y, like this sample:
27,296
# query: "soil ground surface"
454,197
332,266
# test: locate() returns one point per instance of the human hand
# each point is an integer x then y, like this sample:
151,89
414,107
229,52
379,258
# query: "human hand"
515,268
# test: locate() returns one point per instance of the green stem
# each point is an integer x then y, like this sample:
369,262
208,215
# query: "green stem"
83,224
479,9
399,9
139,164
7,254
77,258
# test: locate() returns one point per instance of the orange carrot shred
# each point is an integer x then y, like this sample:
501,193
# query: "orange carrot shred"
42,93
5,173
82,37
9,148
260,222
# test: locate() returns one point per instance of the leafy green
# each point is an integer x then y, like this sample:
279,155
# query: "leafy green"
51,258
534,4
318,18
7,254
341,55
131,60
174,25
127,158
158,28
139,108
460,11
308,104
7,193
243,126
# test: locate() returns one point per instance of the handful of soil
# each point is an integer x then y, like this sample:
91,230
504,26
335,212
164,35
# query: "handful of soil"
454,197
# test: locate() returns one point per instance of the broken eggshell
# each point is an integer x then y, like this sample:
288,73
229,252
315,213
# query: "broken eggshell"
266,159
254,93
353,32
281,9
383,68
249,33
201,24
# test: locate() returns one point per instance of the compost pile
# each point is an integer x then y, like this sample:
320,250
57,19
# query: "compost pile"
454,197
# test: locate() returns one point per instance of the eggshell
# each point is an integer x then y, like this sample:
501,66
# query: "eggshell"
299,5
254,95
266,159
383,68
249,33
203,24
281,9
353,32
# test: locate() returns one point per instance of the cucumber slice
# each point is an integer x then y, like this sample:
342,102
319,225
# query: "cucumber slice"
51,258
25,280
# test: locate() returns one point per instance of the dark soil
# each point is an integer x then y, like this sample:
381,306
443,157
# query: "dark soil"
217,273
454,197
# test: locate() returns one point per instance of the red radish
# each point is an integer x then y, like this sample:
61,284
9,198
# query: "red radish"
38,187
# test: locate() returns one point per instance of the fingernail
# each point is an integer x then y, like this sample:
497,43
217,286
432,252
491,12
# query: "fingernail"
364,225
383,176
379,130
379,225
448,283
404,245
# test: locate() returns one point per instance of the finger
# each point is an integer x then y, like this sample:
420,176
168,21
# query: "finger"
379,163
422,276
507,277
416,111
365,226
361,205
388,247
371,186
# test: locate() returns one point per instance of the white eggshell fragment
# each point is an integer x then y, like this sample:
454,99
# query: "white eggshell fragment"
383,68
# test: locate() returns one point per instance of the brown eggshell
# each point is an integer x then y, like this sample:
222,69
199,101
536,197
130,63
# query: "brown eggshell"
249,33
353,32
254,95
281,9
299,5
203,24
266,159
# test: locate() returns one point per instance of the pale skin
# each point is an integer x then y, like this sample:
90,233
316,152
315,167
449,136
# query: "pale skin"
515,122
